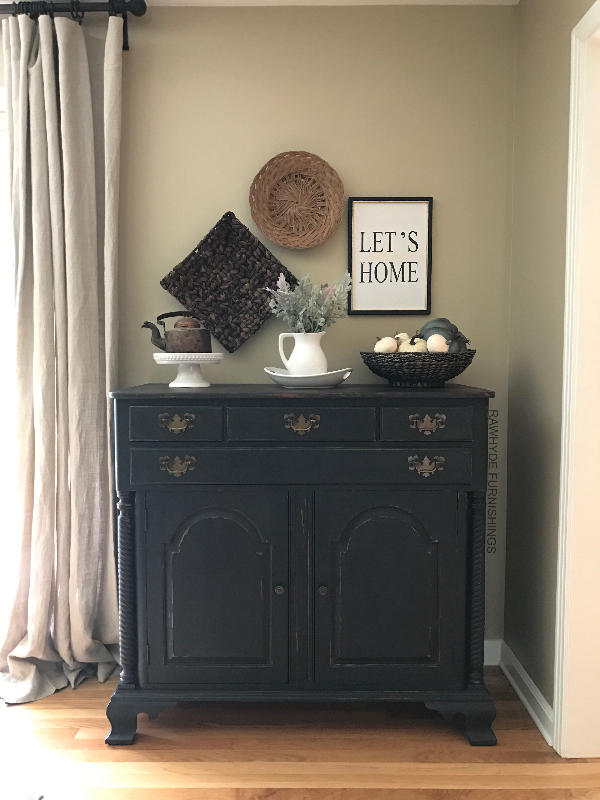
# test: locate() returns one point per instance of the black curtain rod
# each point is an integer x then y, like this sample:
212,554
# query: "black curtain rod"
77,10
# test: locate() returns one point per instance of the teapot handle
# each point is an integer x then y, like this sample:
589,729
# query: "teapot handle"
160,318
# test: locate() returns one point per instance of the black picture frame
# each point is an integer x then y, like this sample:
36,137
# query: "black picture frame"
425,268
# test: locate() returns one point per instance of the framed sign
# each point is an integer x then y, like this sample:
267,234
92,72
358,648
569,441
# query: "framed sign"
389,255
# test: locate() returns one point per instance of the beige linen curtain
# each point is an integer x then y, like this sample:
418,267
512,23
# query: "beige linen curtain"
63,621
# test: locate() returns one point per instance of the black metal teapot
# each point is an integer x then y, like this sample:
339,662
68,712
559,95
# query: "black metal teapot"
186,336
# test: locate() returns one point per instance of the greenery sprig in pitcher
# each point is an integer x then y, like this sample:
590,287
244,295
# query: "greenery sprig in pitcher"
308,310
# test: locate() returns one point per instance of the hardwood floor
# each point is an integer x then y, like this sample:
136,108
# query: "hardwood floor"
55,748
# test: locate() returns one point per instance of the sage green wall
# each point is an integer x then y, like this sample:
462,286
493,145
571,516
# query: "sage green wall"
400,100
536,327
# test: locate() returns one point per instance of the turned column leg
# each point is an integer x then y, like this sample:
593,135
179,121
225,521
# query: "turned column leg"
476,607
127,605
479,712
123,715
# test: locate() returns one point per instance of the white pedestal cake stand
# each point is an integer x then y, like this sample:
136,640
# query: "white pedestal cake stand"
189,374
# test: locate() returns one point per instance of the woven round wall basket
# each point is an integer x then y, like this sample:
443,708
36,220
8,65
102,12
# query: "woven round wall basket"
297,200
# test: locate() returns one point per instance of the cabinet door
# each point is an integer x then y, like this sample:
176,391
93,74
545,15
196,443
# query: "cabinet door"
389,593
217,586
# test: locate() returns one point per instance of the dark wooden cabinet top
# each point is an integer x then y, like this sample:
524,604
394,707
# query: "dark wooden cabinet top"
265,391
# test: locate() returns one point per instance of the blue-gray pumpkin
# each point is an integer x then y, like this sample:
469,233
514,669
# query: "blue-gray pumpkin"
457,342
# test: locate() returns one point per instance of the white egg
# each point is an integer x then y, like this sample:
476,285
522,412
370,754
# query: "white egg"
386,345
437,344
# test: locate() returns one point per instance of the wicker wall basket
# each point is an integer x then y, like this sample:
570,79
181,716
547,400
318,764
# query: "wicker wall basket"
422,370
297,200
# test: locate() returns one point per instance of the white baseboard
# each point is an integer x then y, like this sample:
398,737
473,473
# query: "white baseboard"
539,709
491,652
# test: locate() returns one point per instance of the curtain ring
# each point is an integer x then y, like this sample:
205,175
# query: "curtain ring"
76,11
125,32
37,8
118,8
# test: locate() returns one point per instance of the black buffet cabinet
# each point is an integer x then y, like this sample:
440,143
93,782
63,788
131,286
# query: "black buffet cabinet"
315,544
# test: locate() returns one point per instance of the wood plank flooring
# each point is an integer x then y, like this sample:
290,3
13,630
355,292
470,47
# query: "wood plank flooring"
55,748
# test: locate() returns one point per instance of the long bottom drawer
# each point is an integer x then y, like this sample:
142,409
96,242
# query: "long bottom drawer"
406,465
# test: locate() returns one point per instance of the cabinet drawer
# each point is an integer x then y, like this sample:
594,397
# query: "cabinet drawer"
427,424
305,465
300,424
175,423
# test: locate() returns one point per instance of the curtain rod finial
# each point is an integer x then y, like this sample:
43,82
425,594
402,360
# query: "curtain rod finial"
136,7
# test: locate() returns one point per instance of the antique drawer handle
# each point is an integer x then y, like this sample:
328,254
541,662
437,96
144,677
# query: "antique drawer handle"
427,426
301,425
177,467
322,590
279,590
426,467
176,424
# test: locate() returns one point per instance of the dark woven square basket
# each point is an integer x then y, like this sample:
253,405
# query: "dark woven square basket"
222,282
417,370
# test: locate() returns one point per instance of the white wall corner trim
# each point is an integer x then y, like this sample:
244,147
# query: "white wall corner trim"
491,652
577,663
538,707
182,3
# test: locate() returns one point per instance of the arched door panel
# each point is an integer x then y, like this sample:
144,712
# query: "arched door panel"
384,590
387,569
221,562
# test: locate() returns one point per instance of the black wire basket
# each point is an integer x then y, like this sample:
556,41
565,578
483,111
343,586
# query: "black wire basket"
417,370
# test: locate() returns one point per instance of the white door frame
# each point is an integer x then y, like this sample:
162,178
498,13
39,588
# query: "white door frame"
577,667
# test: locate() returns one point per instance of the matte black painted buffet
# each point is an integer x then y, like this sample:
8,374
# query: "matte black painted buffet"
301,545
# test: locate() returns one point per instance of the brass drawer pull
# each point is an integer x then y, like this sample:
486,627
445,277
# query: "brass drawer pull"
176,424
426,467
427,426
301,425
177,467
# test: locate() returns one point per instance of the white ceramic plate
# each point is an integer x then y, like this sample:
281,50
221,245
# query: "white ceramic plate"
323,380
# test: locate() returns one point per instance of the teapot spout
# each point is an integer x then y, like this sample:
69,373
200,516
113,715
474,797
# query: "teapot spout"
156,339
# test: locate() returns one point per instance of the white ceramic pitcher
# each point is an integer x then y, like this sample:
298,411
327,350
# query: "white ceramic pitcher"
307,356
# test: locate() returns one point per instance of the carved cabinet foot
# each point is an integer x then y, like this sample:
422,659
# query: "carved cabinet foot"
123,718
123,723
479,726
478,719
